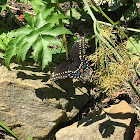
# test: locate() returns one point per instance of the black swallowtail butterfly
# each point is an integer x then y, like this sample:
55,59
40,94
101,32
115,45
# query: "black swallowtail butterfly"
74,65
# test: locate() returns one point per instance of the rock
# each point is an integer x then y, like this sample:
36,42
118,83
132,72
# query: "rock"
33,106
113,123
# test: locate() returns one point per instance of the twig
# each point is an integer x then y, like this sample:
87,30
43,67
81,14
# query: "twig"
19,9
130,29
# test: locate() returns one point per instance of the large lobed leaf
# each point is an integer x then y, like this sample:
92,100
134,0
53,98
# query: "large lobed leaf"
40,33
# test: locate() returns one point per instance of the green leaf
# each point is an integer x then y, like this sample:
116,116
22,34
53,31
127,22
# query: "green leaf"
51,40
2,46
29,19
19,44
114,5
23,31
46,57
3,41
39,21
10,51
37,5
56,31
7,129
129,14
42,51
73,13
37,50
2,7
29,39
54,18
135,51
48,12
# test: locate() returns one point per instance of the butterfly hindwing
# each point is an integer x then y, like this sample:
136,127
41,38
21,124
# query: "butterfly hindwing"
74,66
61,71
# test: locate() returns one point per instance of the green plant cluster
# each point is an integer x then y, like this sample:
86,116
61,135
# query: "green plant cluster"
115,54
40,32
114,68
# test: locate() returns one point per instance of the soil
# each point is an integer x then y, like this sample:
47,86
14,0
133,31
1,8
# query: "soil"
97,101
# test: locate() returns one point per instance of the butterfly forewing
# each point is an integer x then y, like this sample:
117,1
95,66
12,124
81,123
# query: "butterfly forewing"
78,48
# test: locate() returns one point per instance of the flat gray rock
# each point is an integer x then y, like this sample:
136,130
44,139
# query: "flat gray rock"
32,105
114,123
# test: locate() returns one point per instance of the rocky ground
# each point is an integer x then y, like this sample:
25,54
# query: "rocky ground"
30,106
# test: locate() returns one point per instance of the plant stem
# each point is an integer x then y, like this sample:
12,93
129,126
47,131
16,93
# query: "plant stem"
63,36
130,83
89,10
105,41
130,29
20,25
7,129
112,22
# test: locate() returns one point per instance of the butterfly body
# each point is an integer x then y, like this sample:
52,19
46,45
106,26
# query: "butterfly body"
74,65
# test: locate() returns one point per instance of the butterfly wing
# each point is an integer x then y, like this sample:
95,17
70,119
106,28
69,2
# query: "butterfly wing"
78,49
61,71
77,58
75,65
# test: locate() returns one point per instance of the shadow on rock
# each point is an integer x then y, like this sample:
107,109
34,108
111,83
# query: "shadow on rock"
108,122
69,97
